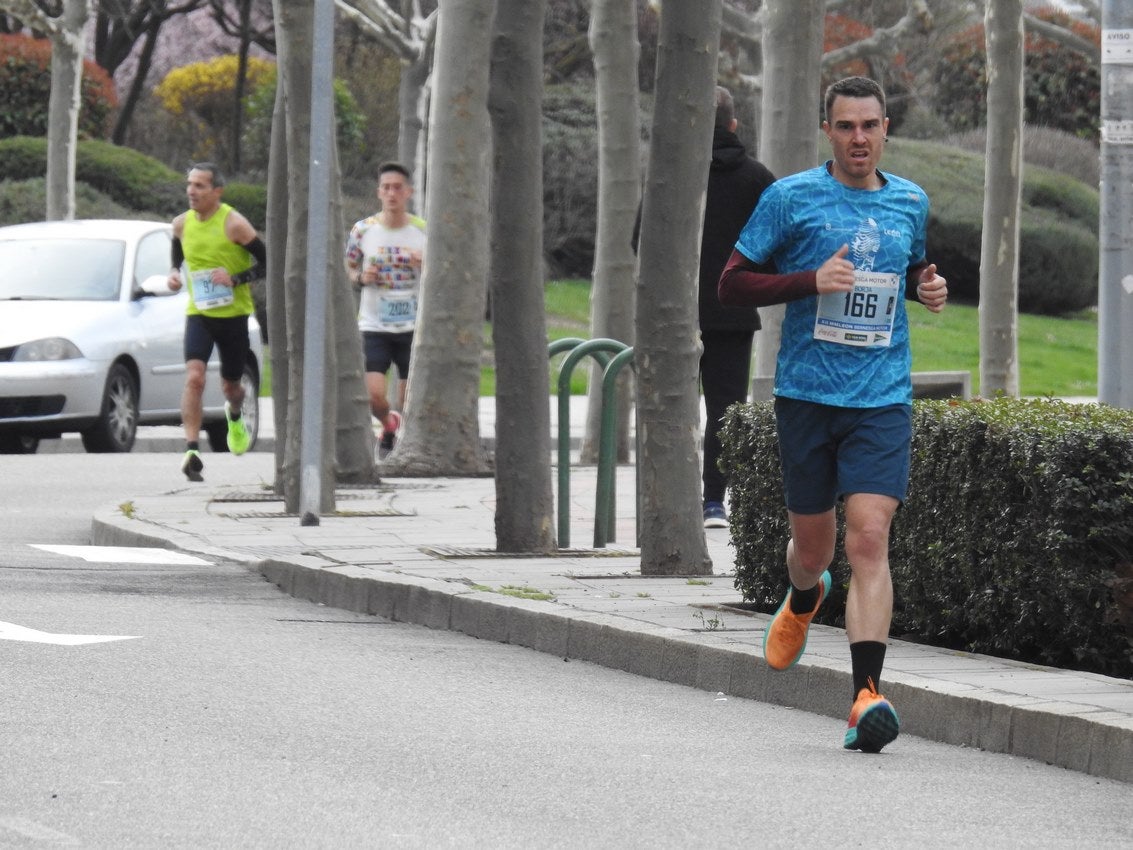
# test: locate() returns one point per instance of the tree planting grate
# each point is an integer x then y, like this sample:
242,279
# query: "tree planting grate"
473,552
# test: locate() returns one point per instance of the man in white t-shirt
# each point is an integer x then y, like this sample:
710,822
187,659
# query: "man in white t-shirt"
384,256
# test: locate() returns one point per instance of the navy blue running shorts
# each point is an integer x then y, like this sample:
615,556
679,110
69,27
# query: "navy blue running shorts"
228,334
827,453
382,348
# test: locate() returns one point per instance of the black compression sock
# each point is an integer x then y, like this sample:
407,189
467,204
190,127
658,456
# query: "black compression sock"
867,657
803,601
193,446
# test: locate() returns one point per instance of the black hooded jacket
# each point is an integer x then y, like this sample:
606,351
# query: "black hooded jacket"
735,182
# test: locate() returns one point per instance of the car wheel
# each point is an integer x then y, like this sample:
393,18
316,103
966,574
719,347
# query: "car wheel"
250,412
118,420
18,444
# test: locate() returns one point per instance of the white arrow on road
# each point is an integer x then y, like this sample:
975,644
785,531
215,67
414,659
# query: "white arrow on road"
10,631
123,554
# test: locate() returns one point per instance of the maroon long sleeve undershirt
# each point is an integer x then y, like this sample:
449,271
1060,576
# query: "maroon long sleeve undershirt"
747,284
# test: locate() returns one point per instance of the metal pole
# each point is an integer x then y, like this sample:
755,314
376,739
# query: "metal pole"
314,332
1115,268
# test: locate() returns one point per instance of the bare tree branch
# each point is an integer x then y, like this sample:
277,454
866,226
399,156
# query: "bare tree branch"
1067,38
34,16
885,41
387,26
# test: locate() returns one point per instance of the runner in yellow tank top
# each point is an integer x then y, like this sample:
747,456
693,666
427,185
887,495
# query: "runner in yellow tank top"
217,253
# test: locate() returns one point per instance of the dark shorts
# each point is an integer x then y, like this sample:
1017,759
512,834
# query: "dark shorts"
828,452
382,349
230,337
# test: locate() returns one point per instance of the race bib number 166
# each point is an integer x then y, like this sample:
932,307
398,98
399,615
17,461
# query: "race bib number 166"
864,315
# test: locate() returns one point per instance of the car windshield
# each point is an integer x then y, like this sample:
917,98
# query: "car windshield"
61,269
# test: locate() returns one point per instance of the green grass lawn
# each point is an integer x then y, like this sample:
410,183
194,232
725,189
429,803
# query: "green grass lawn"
1057,356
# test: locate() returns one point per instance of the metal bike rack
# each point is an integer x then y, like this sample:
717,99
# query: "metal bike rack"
600,350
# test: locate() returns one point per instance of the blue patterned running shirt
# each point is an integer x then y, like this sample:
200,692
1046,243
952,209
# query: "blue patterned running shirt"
846,349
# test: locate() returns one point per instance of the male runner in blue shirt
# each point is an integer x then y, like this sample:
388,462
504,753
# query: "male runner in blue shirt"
846,240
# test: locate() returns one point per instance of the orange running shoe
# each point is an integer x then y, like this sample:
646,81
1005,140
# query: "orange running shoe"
873,722
785,638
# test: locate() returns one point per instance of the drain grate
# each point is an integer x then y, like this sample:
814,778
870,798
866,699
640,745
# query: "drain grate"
473,552
380,512
247,497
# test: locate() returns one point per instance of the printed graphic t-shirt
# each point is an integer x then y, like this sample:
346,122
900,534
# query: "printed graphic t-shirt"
391,305
800,222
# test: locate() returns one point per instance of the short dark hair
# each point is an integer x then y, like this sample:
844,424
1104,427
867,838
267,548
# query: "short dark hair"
394,166
214,172
854,87
725,109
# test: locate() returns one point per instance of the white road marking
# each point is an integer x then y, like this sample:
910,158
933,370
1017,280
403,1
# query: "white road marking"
36,831
123,554
10,631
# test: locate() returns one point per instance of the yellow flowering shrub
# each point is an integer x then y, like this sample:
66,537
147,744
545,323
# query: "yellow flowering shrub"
201,97
203,86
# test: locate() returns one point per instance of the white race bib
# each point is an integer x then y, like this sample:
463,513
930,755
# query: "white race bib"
864,315
397,309
207,294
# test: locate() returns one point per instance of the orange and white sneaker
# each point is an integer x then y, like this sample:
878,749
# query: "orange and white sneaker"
873,722
785,638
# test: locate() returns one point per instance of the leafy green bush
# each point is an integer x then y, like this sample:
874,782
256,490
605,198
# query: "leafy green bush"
1062,88
251,200
1058,226
1016,529
349,120
25,78
26,200
570,180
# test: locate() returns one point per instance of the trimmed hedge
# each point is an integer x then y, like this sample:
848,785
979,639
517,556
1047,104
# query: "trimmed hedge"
1058,227
26,200
1016,539
131,179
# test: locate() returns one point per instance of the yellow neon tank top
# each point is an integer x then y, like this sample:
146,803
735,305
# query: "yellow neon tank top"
206,247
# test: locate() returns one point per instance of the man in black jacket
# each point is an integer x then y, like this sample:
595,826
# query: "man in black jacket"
735,182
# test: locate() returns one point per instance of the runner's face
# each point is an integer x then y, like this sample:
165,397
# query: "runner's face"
204,198
393,191
856,131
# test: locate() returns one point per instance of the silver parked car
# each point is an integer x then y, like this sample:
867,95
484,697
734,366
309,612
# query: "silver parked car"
91,338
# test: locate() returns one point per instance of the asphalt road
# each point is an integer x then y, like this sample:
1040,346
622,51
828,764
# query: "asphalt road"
235,716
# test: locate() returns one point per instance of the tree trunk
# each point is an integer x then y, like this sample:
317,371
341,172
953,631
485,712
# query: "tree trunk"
286,475
442,429
128,104
412,101
667,353
244,12
1003,182
354,434
524,501
613,41
788,140
63,108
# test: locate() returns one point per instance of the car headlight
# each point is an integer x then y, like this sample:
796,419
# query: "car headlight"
52,348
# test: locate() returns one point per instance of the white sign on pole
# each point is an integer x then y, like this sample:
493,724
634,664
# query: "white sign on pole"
1117,47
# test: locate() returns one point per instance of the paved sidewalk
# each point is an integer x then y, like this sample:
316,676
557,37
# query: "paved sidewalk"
421,551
